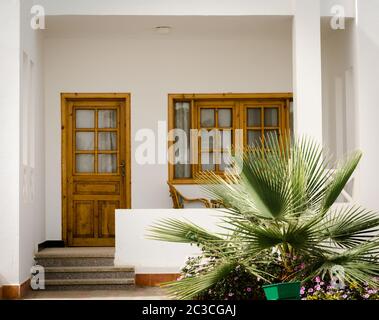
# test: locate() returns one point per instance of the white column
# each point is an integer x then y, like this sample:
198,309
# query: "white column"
307,68
367,85
9,140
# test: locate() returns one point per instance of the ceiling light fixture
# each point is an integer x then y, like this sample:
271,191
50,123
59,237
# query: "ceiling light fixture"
163,29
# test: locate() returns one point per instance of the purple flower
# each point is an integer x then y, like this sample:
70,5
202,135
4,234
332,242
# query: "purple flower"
302,291
322,283
248,289
310,290
318,288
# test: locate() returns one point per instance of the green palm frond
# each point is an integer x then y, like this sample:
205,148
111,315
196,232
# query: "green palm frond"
281,202
359,265
350,226
339,179
173,230
189,288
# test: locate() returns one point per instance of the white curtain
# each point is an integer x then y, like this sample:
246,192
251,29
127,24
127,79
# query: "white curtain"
183,122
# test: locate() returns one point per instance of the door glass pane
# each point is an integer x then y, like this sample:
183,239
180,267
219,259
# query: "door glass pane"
107,163
254,137
207,118
107,119
207,162
85,141
107,141
271,117
226,139
85,163
254,117
225,118
85,119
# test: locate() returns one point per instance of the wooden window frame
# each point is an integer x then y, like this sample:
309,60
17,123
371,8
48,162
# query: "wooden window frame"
241,101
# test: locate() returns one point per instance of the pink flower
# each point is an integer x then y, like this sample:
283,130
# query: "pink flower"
318,288
317,279
248,289
310,290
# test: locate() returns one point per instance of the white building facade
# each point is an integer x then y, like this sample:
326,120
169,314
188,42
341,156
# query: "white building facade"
325,52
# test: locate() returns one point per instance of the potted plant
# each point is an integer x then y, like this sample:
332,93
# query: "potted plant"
281,201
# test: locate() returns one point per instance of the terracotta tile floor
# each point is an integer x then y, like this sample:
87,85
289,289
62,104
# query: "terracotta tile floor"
137,293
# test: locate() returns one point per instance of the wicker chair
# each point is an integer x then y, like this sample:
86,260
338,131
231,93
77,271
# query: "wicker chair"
179,200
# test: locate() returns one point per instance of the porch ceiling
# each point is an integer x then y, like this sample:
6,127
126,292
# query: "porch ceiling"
183,27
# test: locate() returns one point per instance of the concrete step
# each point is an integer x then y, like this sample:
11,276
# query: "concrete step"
75,257
74,261
99,272
89,284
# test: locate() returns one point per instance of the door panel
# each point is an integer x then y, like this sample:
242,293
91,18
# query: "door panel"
106,217
95,166
83,219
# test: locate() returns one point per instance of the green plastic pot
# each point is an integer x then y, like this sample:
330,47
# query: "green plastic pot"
283,291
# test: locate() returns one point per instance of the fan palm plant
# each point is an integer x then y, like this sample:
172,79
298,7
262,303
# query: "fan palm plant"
280,205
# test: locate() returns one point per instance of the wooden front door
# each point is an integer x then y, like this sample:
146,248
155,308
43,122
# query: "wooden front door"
95,166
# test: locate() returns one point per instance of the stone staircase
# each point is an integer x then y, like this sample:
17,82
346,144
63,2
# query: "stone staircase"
83,269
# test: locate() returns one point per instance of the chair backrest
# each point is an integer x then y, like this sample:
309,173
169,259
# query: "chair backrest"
177,198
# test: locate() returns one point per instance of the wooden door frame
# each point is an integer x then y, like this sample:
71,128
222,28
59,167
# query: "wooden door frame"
65,98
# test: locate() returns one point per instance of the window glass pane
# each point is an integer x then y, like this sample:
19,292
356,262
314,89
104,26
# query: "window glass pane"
208,139
85,163
85,119
225,162
182,171
207,118
207,162
226,139
271,117
270,134
225,118
85,141
183,122
254,117
107,163
107,141
254,137
107,119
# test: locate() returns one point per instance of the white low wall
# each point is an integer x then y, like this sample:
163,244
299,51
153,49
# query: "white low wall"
150,256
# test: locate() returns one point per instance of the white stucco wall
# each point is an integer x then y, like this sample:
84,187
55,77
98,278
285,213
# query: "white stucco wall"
32,143
9,140
339,108
133,248
185,7
367,53
150,69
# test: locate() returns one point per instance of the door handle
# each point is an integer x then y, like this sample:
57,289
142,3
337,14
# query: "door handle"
123,166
